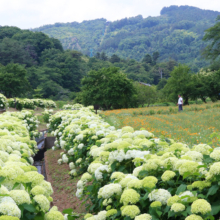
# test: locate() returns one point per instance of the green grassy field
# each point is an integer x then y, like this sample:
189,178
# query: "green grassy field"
192,126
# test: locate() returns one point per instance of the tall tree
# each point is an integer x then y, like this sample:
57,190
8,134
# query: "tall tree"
155,57
103,56
147,59
114,58
180,82
107,88
13,80
145,94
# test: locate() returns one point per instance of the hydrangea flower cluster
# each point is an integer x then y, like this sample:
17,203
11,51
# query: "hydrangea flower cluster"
3,102
30,120
21,184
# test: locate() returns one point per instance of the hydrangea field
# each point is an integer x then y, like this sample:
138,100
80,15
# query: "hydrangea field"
24,194
130,174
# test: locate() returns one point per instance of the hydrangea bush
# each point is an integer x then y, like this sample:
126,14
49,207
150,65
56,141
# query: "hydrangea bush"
21,103
72,107
3,102
132,175
31,103
30,120
47,114
43,103
24,194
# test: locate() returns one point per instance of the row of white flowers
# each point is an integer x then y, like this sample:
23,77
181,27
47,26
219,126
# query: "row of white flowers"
129,174
24,194
31,103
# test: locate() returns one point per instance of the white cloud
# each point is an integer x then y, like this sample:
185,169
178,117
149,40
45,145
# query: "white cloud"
35,13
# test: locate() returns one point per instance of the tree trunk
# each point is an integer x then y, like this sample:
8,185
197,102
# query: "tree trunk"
203,99
186,102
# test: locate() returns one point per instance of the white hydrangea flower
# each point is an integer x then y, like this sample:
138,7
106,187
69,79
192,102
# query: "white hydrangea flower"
11,209
80,146
160,195
99,170
65,158
109,190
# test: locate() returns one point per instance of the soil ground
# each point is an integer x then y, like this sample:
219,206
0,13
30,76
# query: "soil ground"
63,185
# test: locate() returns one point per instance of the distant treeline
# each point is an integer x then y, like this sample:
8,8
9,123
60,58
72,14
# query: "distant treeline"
176,34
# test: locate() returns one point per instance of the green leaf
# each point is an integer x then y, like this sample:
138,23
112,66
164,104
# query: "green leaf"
22,209
171,214
215,208
15,185
145,196
29,216
181,188
166,209
38,218
189,210
29,207
121,169
212,190
201,196
68,211
159,213
113,166
72,217
184,213
186,174
2,179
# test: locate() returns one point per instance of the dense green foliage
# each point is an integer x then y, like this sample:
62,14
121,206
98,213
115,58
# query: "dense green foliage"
192,86
176,34
212,51
13,80
107,88
145,94
55,73
51,71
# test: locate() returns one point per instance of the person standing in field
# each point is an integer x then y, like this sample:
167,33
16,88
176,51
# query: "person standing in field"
180,103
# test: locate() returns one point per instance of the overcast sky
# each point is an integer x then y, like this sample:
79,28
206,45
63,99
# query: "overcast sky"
35,13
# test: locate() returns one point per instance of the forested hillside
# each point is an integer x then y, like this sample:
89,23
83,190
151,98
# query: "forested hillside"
176,34
33,64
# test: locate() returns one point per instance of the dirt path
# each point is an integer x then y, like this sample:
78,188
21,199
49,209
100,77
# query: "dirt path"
63,185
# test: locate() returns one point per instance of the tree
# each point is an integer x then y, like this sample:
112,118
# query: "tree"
208,85
13,80
161,84
14,51
114,59
155,57
38,93
181,83
212,51
103,56
147,59
145,94
107,88
97,55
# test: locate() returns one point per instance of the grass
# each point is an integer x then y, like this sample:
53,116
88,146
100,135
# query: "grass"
192,126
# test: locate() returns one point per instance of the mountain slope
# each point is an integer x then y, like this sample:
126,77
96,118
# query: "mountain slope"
177,33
